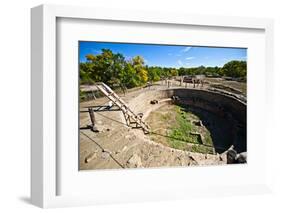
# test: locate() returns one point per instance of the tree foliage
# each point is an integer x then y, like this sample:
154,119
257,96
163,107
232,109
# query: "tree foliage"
235,69
113,69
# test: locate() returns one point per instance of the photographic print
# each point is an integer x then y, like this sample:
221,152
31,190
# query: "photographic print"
155,105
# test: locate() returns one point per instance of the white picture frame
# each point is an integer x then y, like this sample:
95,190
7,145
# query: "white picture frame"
44,153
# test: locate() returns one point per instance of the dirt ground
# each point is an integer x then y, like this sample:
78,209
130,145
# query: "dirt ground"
117,146
231,86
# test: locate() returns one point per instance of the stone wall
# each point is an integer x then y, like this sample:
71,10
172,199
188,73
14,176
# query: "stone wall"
211,101
223,106
217,103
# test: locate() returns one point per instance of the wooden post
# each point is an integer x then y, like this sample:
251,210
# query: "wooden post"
92,117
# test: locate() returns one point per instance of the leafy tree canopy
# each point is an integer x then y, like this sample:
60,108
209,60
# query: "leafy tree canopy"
112,69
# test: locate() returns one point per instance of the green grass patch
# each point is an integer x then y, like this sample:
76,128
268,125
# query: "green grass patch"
176,128
180,136
181,131
202,149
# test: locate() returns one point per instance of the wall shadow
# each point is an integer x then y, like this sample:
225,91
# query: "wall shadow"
225,131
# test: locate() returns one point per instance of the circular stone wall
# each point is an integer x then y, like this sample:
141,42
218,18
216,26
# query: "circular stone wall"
222,115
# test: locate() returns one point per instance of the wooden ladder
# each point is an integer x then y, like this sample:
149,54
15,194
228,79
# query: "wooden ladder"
130,116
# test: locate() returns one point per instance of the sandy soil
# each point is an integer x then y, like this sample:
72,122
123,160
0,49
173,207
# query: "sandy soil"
117,146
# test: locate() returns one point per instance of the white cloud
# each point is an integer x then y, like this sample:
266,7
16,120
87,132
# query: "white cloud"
180,62
186,49
189,58
170,54
95,51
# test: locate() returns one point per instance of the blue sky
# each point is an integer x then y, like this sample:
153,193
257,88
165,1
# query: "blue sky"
167,55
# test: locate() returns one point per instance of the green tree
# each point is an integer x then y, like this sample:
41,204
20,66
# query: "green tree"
235,69
154,73
128,76
104,67
90,57
112,69
174,72
138,64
